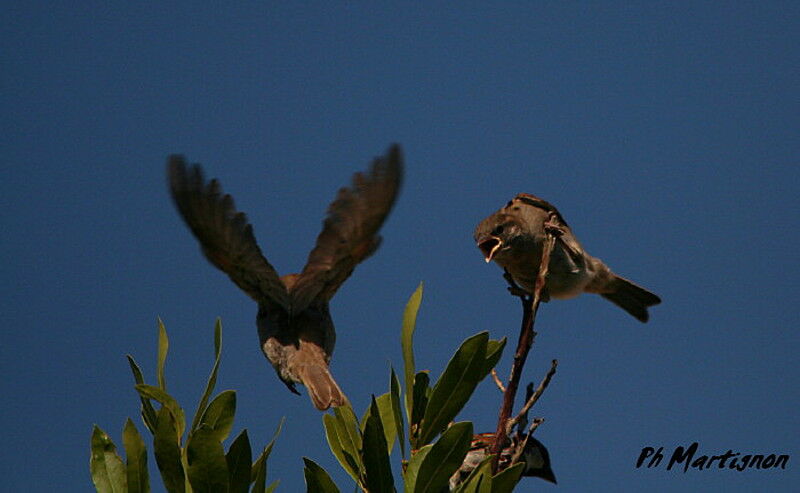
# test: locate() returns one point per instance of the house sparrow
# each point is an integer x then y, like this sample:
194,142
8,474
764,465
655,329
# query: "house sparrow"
514,237
295,329
535,456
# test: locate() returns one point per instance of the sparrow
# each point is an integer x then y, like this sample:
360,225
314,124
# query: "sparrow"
295,329
514,237
535,456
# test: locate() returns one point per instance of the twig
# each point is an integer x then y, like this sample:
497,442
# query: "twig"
497,381
533,397
530,306
523,443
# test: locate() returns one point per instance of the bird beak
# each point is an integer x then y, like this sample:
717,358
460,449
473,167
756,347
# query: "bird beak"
489,247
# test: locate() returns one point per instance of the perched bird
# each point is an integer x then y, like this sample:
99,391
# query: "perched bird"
535,456
514,238
295,329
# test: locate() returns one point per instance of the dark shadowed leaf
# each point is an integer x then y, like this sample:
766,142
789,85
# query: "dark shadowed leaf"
407,345
317,479
376,459
444,458
208,469
168,452
239,458
421,391
494,350
479,480
148,411
108,472
212,378
136,459
454,388
387,418
394,392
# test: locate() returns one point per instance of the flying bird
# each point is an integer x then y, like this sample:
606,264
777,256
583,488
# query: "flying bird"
514,237
295,329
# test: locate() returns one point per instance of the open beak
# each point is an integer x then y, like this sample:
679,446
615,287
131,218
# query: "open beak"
489,247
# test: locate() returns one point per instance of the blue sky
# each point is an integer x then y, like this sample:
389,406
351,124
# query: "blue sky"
666,134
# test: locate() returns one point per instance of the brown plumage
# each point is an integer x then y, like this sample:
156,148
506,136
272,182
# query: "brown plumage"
295,329
514,237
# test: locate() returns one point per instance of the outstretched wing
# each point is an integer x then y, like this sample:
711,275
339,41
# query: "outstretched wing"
350,232
224,234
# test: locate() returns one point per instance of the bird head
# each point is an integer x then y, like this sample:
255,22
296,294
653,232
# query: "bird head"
494,235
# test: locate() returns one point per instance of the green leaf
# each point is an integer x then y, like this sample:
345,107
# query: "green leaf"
454,388
108,472
168,402
163,348
212,379
505,481
349,435
387,418
272,486
407,344
335,444
412,471
239,459
219,414
421,392
208,469
259,470
317,479
376,458
168,452
494,350
444,459
136,459
148,411
479,480
394,389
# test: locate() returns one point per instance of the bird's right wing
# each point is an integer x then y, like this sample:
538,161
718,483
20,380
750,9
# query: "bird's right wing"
224,234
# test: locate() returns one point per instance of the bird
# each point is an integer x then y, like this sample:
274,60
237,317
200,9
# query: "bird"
514,238
535,456
295,328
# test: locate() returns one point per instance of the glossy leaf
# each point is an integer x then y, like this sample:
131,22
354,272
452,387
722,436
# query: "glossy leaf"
212,378
506,480
455,386
335,444
168,452
444,458
317,479
219,414
407,345
208,469
135,459
149,416
259,469
163,348
108,471
494,350
168,402
411,474
239,458
376,458
479,480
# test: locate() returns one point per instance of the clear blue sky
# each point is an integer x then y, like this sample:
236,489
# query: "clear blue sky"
666,134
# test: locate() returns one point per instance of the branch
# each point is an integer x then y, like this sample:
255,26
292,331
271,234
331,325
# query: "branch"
530,305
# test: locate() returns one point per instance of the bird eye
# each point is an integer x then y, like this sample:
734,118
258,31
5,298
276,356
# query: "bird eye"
498,230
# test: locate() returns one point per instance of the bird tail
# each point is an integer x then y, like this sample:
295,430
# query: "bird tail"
322,388
630,297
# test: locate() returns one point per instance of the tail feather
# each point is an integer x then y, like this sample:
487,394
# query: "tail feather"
631,298
322,388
